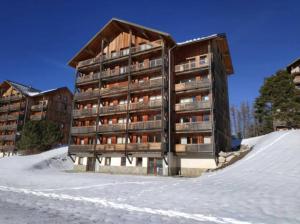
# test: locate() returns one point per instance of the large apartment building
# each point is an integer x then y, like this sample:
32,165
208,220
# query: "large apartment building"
144,104
20,103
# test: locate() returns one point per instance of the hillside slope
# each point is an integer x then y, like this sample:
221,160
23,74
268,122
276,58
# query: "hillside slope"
263,187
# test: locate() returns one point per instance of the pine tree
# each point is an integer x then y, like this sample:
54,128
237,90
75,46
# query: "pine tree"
278,100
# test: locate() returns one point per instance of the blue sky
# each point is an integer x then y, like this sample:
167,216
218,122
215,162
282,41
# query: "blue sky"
39,37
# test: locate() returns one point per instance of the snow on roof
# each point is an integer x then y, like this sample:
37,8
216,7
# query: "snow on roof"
198,39
26,90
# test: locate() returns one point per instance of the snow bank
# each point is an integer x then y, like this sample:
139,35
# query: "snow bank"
55,159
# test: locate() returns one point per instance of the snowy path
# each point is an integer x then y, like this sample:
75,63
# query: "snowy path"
261,188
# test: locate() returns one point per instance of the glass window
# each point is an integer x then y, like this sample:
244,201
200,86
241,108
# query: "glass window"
207,140
183,140
206,117
123,161
107,161
139,161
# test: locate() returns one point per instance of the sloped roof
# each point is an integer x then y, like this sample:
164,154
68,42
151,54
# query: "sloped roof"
295,62
24,89
111,29
221,37
30,91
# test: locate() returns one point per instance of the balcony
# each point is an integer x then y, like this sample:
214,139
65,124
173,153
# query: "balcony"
113,109
201,62
39,107
83,129
10,98
37,117
152,83
193,126
111,127
145,125
297,80
8,127
88,78
199,84
74,149
85,112
191,106
152,104
88,95
155,63
7,137
132,147
121,54
12,107
114,89
193,148
7,148
9,117
115,72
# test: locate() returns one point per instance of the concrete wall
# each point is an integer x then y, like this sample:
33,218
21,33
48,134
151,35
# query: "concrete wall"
195,167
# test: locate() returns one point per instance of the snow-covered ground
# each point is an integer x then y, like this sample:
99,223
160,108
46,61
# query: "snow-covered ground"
263,187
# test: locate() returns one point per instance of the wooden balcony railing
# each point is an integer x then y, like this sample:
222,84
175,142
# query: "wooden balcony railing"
39,107
83,129
85,112
8,127
111,127
114,89
37,117
199,84
9,117
143,106
120,54
12,107
87,95
146,84
130,147
142,66
198,105
202,61
194,126
7,137
145,125
200,148
7,148
113,109
88,78
10,98
81,149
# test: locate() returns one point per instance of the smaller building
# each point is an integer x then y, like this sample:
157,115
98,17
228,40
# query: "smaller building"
20,103
294,70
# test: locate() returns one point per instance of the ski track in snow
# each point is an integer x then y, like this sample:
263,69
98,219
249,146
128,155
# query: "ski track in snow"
97,186
127,207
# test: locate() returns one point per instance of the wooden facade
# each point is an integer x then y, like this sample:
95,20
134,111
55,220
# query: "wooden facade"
20,103
138,94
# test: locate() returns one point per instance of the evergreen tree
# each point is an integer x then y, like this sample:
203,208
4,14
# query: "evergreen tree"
278,101
39,136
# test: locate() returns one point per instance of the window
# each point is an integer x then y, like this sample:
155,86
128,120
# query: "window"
109,140
110,121
107,161
206,117
183,140
205,98
114,54
121,140
123,161
202,60
139,139
125,51
139,161
80,160
123,69
207,140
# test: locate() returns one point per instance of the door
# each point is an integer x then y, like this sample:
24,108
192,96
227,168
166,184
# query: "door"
155,166
90,164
